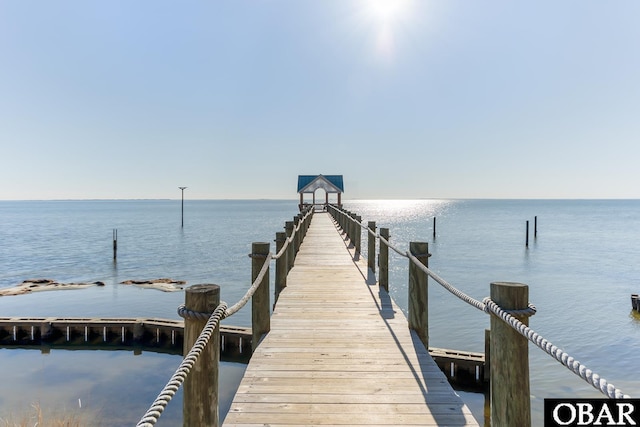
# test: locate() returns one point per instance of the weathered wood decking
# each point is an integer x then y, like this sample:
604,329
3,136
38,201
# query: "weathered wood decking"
340,352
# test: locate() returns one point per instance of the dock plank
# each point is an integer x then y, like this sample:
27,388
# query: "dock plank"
340,353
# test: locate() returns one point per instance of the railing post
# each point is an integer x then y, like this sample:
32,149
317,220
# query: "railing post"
281,266
371,246
383,259
260,318
340,218
419,292
296,238
343,222
352,228
358,233
347,223
291,255
510,397
200,399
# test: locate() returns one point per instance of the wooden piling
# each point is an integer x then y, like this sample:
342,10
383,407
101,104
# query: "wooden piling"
383,280
371,246
296,237
288,228
535,226
434,227
281,266
358,234
419,292
115,243
200,399
487,355
635,302
351,225
510,396
527,239
260,315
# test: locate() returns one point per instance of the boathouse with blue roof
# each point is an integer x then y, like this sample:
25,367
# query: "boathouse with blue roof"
330,184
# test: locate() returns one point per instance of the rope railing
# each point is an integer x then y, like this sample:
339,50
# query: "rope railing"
150,418
290,239
156,409
508,316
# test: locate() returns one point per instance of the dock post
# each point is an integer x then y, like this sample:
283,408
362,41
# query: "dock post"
350,227
510,396
281,266
288,228
371,246
487,356
384,260
358,234
527,239
344,221
200,399
260,319
296,238
419,292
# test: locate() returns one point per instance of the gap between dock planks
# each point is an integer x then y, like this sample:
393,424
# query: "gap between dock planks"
340,352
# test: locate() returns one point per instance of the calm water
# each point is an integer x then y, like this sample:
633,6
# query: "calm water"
581,270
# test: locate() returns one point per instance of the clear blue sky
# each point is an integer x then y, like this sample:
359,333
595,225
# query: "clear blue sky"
234,99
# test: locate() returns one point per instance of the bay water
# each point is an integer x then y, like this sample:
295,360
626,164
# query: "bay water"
581,269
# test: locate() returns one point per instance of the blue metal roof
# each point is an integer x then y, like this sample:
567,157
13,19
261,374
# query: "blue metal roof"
305,180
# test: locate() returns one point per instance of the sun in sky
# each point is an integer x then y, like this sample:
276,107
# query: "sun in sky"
385,16
386,11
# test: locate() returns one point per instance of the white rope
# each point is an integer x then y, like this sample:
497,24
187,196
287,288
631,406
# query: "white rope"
252,290
458,293
152,415
561,356
289,239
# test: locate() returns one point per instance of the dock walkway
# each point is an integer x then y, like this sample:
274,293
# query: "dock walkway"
340,352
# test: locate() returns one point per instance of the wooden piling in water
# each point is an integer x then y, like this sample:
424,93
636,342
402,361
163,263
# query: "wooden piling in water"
535,227
635,302
383,259
200,399
115,244
527,239
434,227
371,246
509,352
260,315
419,292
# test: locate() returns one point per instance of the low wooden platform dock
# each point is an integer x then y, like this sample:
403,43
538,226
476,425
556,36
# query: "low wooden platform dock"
340,352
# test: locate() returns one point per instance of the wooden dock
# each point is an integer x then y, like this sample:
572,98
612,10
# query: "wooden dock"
340,352
150,334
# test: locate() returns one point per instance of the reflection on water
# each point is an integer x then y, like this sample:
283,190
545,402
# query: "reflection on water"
114,386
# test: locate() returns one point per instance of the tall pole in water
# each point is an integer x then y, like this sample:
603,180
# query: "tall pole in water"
182,188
